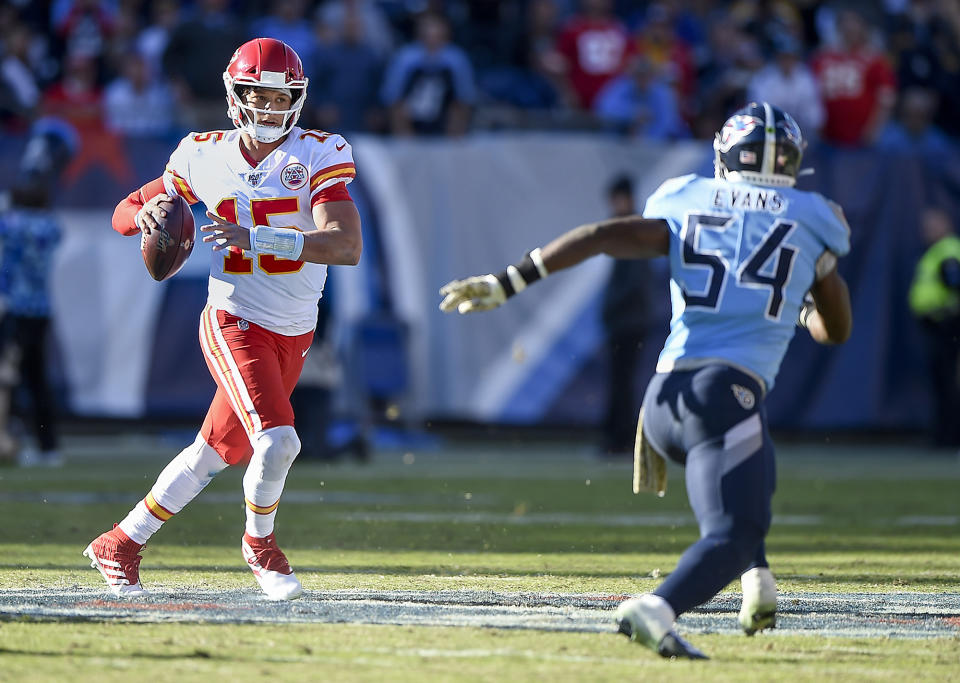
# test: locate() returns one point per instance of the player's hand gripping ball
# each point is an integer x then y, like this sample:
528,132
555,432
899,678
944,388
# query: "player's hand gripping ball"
165,248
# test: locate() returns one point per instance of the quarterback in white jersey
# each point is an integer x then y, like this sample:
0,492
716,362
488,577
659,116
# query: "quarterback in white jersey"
281,213
280,191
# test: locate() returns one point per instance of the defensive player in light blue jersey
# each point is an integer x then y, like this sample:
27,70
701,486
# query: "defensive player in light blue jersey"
746,249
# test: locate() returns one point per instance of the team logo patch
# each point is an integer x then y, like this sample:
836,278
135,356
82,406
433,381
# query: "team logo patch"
294,176
254,178
736,129
744,396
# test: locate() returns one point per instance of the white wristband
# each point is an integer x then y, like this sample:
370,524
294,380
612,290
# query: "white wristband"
136,220
537,257
284,242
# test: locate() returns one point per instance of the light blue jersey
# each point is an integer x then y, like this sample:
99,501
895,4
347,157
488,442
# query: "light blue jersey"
742,257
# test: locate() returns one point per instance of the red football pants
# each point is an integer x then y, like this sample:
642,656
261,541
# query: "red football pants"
256,371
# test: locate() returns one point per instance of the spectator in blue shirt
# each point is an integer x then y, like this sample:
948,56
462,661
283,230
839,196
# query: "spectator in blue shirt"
429,84
640,103
345,79
29,234
913,129
288,22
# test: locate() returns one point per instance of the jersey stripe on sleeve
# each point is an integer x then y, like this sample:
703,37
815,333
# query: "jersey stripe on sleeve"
183,187
339,172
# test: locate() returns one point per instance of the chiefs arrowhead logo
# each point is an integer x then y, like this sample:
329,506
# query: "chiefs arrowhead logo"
294,176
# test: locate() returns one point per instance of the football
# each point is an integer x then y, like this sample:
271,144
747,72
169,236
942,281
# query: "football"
165,250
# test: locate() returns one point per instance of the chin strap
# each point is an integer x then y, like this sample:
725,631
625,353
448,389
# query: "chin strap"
273,133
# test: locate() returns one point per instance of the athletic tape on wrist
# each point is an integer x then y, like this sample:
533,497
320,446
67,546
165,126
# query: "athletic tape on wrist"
284,242
516,278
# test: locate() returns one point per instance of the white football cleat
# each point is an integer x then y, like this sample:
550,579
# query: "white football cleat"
648,620
116,556
271,568
759,608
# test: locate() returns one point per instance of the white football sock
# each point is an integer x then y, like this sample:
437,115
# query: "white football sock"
274,451
179,483
658,615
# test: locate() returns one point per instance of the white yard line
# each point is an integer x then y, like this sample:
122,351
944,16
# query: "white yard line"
862,615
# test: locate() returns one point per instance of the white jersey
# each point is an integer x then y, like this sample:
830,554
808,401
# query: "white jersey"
276,293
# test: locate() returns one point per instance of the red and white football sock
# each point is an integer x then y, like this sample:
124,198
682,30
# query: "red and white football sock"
179,483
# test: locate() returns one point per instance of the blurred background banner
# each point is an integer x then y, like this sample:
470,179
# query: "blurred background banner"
438,209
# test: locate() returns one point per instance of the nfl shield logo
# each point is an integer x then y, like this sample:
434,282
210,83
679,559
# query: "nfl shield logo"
254,178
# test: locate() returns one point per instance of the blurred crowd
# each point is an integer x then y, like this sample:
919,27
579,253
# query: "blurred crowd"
853,73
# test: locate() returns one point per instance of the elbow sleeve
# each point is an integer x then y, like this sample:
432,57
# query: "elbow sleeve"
123,215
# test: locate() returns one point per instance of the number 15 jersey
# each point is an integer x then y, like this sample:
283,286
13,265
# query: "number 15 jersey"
280,191
742,257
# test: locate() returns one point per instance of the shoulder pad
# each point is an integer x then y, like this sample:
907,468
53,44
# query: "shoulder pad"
674,185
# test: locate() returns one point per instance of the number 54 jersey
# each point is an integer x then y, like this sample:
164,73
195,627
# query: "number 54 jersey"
276,293
742,257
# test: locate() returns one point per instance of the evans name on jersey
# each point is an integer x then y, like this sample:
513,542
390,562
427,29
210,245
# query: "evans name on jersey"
742,257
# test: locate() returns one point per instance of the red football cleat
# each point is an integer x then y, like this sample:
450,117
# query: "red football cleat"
116,556
271,568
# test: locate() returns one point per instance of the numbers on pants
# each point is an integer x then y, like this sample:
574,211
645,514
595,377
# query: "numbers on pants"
234,262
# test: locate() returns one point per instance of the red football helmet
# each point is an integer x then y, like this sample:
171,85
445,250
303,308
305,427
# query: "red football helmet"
264,63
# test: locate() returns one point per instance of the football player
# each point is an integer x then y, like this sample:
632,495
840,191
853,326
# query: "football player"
281,213
745,248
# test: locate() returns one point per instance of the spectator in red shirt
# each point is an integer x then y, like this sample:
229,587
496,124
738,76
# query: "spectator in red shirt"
77,99
594,44
857,83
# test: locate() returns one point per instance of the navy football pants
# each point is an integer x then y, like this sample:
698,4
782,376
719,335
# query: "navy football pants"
712,420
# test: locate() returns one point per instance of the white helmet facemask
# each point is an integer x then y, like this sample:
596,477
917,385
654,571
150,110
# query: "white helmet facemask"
244,116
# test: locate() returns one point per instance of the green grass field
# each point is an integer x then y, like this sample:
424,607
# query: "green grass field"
508,517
